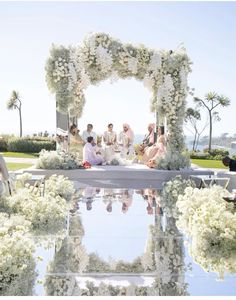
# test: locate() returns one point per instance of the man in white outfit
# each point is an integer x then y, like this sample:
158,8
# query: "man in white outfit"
89,153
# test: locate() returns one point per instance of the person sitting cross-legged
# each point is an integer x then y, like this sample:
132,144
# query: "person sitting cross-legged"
90,153
148,140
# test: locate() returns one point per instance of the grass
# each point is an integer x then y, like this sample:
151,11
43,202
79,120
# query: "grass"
205,163
17,166
19,154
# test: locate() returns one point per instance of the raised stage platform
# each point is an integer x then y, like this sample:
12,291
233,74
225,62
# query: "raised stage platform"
133,176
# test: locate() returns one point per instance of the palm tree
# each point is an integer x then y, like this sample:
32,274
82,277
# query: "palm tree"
15,103
192,116
210,102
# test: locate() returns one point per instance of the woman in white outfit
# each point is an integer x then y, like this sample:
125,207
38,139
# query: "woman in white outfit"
109,139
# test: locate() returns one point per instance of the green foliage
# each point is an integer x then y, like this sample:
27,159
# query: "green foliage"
214,154
3,144
30,145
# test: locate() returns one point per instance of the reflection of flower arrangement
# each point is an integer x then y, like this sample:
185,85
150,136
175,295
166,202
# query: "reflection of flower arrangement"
64,285
104,289
97,264
46,213
54,160
167,259
59,185
70,71
210,222
70,256
171,190
17,263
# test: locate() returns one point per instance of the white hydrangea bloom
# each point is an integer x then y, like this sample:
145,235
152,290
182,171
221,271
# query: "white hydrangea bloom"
133,65
155,62
84,80
104,59
148,82
114,77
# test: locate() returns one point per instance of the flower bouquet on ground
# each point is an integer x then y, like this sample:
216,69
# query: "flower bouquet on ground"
210,223
17,264
54,160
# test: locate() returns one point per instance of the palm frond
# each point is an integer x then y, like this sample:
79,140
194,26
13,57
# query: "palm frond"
11,103
15,95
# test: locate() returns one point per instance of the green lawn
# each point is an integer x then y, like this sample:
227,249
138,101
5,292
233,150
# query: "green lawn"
19,154
204,163
17,166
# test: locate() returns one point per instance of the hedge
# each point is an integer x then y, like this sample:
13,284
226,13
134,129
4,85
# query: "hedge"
3,145
215,154
30,145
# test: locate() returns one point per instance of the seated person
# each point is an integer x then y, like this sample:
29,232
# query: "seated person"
156,150
90,153
75,141
109,139
148,139
5,186
126,141
89,132
228,162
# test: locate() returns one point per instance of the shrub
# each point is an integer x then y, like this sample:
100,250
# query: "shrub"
34,145
215,154
3,144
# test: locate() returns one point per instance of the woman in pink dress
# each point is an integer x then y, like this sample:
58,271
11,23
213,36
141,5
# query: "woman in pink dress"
148,140
156,150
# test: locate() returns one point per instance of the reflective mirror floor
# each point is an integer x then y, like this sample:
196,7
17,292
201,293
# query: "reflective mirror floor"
119,242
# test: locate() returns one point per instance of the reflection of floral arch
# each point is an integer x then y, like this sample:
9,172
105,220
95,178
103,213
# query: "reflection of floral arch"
69,71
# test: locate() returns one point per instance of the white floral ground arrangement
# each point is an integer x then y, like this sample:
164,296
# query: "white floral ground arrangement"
17,264
24,215
210,223
53,160
70,70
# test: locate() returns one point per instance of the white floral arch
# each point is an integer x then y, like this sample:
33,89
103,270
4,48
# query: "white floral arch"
69,71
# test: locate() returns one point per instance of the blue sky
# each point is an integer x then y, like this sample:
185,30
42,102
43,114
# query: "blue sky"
28,29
